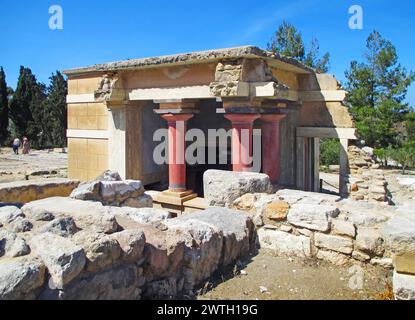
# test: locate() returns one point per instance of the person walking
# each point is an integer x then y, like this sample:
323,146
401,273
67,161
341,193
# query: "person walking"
26,146
16,145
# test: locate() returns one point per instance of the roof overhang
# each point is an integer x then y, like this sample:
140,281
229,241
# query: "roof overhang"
199,57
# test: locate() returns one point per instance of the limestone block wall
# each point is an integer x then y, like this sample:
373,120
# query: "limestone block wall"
88,251
88,116
88,151
87,158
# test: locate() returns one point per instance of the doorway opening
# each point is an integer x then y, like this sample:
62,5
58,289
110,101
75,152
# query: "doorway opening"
329,165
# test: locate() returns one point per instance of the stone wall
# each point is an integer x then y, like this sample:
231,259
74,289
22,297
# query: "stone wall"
318,226
341,231
63,248
26,191
87,158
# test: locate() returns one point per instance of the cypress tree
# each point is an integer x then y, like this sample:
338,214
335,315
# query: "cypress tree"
4,109
26,107
55,112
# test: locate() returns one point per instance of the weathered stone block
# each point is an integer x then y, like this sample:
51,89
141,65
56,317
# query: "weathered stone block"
63,227
361,256
31,190
383,262
285,243
237,228
305,197
343,228
9,213
332,257
12,246
102,253
403,286
19,278
370,241
132,243
20,225
335,243
203,249
86,214
405,263
222,188
399,233
144,201
246,202
63,259
275,211
121,283
166,288
311,216
141,215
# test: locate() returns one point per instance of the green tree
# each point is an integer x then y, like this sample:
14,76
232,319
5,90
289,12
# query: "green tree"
405,156
410,129
329,151
377,89
26,107
4,109
55,112
288,41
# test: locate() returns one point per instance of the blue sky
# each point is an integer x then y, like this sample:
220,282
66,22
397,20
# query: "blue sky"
100,31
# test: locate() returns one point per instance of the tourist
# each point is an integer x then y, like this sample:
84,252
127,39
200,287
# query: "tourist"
26,147
16,145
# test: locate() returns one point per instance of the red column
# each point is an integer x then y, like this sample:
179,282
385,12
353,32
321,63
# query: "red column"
271,145
177,146
242,140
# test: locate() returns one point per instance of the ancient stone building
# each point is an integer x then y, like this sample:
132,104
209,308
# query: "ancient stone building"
115,108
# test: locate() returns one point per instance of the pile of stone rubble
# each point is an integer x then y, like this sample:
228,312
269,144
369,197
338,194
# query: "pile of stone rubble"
370,186
361,159
367,181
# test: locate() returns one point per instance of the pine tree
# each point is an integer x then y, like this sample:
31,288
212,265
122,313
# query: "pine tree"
4,109
26,107
55,113
377,89
288,41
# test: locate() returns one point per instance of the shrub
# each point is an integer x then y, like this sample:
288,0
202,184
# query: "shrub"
329,151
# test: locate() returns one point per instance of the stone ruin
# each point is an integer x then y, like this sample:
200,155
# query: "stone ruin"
368,182
325,227
93,245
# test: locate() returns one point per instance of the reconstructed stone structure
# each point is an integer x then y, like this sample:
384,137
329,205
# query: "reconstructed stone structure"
114,109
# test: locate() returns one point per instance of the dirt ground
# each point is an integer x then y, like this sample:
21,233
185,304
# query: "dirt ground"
290,278
34,166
